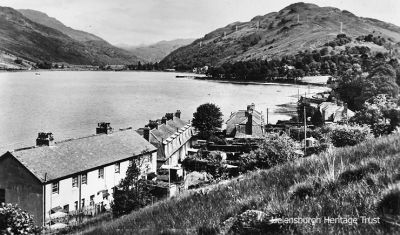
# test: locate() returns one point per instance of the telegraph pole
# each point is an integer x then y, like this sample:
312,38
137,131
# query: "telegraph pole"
298,18
341,27
305,130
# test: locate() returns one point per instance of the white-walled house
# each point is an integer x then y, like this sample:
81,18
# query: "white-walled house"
171,135
72,175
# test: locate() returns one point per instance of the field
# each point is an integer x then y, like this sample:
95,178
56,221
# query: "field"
350,182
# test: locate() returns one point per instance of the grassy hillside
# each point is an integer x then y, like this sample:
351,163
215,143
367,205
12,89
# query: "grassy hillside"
44,19
33,41
297,27
347,182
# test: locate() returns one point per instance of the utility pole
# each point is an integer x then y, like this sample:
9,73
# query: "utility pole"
224,34
298,18
267,115
305,131
236,28
341,27
258,25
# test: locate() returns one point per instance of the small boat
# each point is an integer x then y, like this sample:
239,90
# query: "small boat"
37,74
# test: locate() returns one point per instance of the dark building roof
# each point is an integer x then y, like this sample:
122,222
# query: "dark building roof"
236,124
72,156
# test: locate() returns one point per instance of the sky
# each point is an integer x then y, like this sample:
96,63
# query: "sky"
134,22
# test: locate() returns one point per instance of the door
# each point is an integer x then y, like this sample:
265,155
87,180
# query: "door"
2,195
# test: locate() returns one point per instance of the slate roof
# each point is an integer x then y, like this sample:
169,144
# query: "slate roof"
240,118
164,131
257,131
69,157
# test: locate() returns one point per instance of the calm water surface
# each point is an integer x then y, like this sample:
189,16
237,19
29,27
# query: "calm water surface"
70,104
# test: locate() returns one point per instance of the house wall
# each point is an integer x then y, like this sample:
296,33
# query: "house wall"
176,149
68,195
21,187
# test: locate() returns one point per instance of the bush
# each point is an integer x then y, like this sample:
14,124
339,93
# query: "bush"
389,206
358,173
217,140
13,220
274,149
209,162
302,190
348,135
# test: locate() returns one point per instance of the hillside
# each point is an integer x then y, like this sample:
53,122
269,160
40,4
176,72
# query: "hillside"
157,51
349,182
297,27
44,19
24,38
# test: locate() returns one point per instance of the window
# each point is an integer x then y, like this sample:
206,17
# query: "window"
130,163
2,195
66,208
91,200
75,181
55,187
117,167
84,178
105,195
101,173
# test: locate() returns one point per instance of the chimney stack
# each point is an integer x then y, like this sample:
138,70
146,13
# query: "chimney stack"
169,116
249,124
45,139
146,133
104,128
250,108
164,120
178,114
152,124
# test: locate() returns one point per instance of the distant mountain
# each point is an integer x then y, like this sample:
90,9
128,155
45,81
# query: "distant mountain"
297,27
157,51
37,37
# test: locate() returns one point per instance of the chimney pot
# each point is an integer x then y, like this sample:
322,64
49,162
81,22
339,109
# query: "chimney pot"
164,120
169,116
45,139
178,113
104,128
152,124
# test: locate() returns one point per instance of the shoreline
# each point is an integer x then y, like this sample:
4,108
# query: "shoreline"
254,82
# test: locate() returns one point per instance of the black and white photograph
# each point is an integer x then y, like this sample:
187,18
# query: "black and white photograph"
199,117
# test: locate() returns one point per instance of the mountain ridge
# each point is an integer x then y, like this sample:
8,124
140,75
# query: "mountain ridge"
27,39
157,51
297,27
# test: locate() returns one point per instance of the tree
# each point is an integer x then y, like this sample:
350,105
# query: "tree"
13,220
382,80
132,193
207,119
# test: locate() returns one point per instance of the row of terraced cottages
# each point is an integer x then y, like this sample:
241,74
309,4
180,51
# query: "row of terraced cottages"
79,174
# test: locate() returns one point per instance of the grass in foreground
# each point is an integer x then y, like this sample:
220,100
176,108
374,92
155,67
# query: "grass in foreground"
347,182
